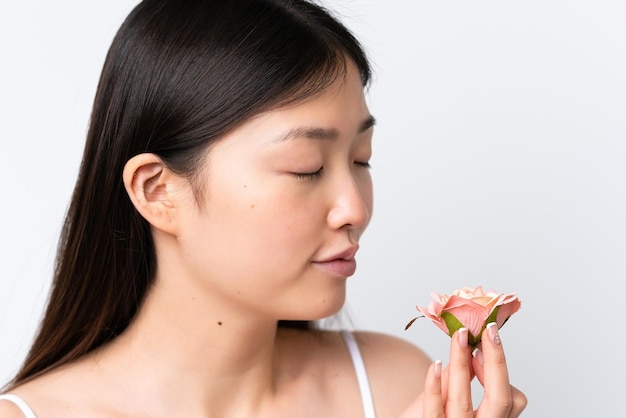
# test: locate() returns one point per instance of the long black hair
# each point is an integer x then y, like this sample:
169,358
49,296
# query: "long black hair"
178,76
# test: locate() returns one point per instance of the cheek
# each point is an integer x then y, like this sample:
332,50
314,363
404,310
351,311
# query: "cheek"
265,220
284,221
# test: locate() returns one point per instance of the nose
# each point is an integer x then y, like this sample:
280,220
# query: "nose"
352,204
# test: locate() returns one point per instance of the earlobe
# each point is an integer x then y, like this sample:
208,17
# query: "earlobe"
148,183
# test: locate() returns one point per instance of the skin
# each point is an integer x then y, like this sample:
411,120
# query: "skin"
256,249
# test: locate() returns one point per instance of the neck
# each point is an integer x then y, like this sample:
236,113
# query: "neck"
182,349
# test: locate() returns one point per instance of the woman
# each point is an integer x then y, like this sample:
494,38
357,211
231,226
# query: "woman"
218,209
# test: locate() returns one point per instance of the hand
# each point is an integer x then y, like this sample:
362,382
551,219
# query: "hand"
448,393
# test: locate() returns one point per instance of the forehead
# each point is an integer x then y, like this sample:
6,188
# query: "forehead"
340,110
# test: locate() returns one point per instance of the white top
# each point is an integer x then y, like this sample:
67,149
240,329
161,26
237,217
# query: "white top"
361,374
357,360
28,413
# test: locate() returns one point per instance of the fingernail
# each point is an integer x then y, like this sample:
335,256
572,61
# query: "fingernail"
478,355
462,337
492,328
438,368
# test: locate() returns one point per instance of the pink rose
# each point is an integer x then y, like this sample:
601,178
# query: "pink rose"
471,308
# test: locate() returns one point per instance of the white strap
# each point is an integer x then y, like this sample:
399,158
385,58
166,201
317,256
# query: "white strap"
361,374
28,413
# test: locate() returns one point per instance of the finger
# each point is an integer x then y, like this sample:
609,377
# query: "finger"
498,395
478,362
519,402
444,381
459,400
444,384
519,399
433,397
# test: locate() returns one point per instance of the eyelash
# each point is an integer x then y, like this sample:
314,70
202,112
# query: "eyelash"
309,176
318,173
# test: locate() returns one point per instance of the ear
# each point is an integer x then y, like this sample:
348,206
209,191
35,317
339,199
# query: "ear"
152,189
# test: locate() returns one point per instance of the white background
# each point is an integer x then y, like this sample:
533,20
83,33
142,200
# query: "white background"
499,160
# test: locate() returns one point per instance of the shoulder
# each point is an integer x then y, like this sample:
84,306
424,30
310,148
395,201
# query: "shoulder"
385,356
396,370
47,392
384,351
9,409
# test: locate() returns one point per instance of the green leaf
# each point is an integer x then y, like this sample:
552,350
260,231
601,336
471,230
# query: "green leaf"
491,318
452,323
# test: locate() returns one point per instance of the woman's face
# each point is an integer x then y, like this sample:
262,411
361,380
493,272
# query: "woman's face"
287,196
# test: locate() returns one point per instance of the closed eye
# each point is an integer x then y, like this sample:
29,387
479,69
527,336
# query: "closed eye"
309,176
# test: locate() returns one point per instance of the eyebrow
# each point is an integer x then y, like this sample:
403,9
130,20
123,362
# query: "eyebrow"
322,133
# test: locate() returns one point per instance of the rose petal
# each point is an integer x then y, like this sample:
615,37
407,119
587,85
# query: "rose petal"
486,301
508,309
435,307
437,320
470,314
439,298
478,291
508,298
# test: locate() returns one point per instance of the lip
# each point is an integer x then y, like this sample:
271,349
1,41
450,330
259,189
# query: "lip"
341,264
339,267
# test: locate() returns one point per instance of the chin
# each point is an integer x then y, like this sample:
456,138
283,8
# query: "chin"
327,306
314,304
